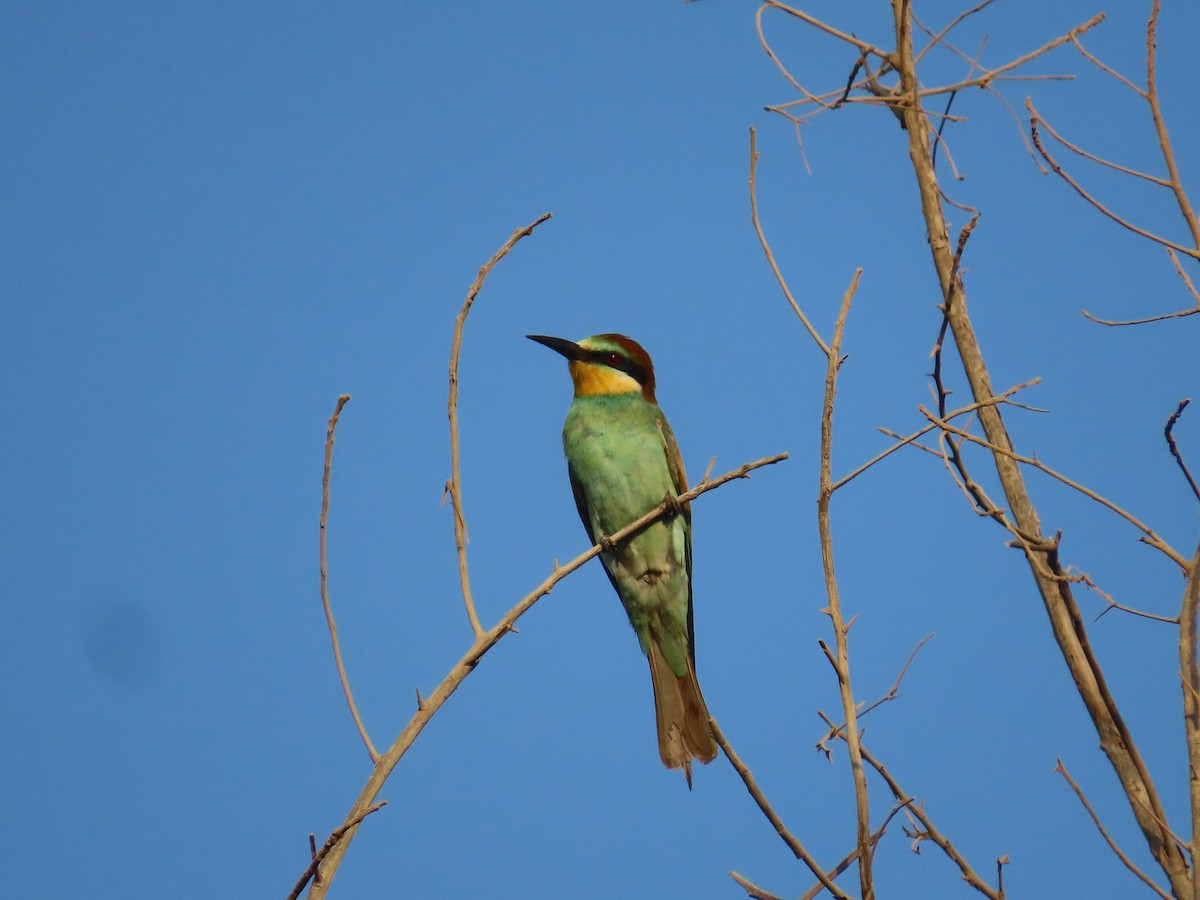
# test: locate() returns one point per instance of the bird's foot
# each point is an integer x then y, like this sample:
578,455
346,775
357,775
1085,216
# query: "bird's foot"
606,544
671,506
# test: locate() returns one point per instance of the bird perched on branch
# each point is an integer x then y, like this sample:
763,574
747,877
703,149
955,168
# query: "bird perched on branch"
623,462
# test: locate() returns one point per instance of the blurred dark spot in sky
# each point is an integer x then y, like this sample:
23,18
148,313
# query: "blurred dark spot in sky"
121,642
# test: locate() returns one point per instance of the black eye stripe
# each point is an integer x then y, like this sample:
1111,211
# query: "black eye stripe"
621,364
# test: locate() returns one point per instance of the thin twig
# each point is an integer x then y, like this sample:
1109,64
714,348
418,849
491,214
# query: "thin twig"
936,39
902,441
762,238
969,874
1087,582
773,817
1112,845
841,629
1168,432
1187,283
1035,119
430,705
333,637
1160,128
454,485
313,870
863,46
753,891
1151,538
1100,160
990,75
893,692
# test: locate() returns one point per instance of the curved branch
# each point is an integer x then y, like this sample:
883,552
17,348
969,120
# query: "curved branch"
454,485
428,707
337,650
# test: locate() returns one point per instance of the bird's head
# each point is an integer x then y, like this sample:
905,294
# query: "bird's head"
605,364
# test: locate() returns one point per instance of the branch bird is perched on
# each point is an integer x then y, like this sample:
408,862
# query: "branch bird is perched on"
623,461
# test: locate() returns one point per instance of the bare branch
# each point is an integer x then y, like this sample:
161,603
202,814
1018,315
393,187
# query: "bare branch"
1086,580
850,857
333,637
863,46
1189,629
319,855
1062,770
893,692
454,485
431,704
931,833
753,890
760,798
1160,127
1035,119
1168,433
1042,555
938,38
991,75
902,441
762,239
834,609
1151,538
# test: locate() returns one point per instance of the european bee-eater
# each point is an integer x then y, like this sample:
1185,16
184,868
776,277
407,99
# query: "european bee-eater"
623,461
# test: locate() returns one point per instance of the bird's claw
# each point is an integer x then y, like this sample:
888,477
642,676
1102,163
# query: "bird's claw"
606,544
671,506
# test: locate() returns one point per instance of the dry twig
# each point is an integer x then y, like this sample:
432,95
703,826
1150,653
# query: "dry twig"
1112,845
431,704
454,485
333,637
760,798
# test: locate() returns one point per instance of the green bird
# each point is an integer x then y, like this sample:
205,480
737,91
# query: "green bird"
623,462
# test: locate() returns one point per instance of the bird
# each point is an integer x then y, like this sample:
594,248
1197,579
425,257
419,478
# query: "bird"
623,461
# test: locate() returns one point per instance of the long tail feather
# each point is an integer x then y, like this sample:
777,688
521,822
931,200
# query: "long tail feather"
682,715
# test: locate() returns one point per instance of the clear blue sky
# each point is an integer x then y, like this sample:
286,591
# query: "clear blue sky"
220,216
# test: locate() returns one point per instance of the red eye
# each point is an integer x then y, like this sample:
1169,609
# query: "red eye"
613,360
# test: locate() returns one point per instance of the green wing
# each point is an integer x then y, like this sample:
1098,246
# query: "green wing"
679,479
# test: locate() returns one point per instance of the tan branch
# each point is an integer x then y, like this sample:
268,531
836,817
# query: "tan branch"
427,707
333,637
1085,579
1151,538
1106,68
1189,628
760,798
753,891
902,441
454,485
1160,128
1100,160
762,239
1112,845
970,876
893,692
1187,283
939,38
850,857
1061,608
990,75
834,609
319,855
1034,121
861,45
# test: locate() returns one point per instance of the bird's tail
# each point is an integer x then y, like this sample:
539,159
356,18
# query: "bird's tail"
683,732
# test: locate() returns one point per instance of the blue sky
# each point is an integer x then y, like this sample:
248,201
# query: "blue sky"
218,217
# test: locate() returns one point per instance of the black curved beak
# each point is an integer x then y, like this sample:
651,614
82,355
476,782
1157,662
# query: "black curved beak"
569,349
